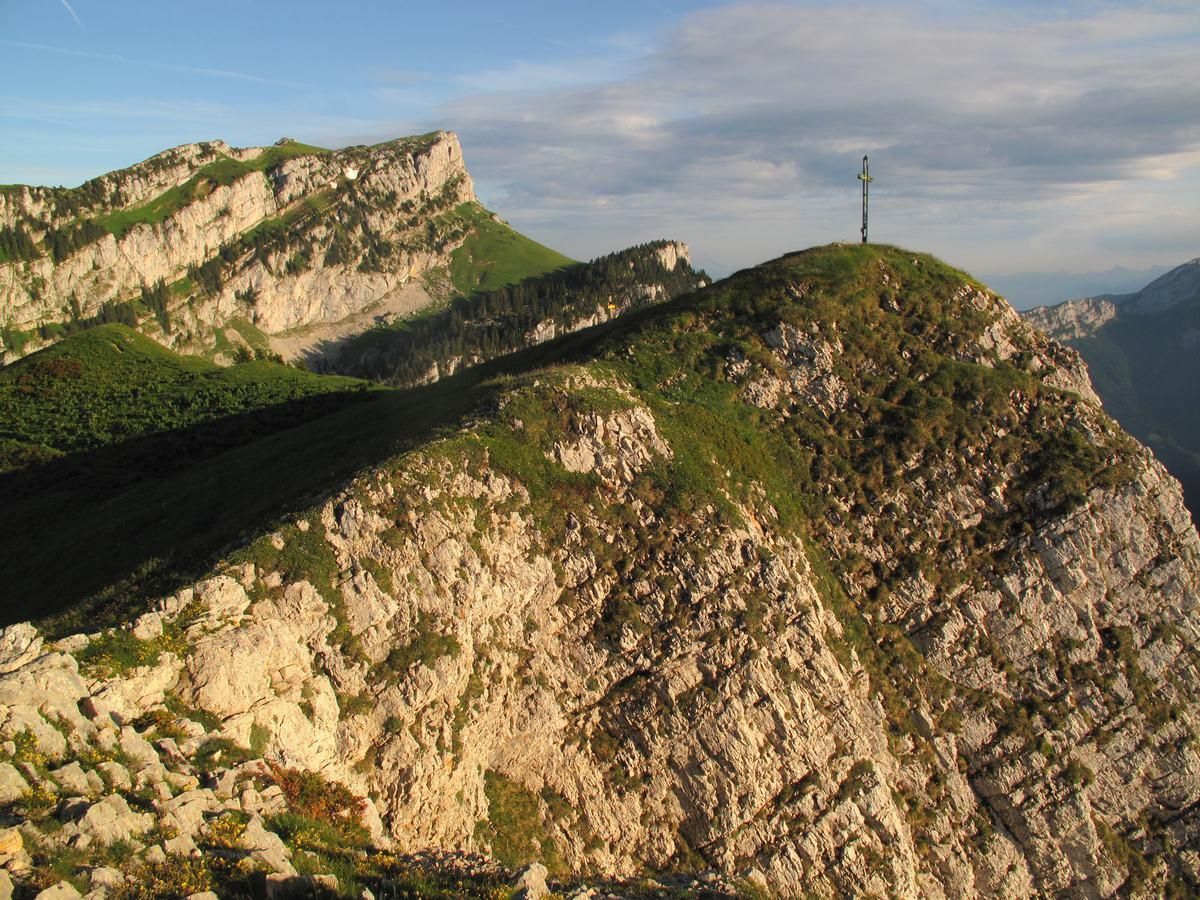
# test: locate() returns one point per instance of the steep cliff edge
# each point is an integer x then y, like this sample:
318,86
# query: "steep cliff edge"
834,574
203,237
1072,319
1141,352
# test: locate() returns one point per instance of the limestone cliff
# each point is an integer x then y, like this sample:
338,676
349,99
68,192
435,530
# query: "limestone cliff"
834,575
1072,319
281,237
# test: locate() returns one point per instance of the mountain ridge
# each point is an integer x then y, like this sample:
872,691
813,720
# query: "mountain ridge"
834,572
1140,350
283,237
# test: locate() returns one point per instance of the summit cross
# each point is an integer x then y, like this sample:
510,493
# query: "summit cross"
865,178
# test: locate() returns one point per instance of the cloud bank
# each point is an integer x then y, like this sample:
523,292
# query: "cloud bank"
743,127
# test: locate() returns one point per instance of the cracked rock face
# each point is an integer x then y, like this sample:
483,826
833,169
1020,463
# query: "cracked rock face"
969,675
766,743
280,285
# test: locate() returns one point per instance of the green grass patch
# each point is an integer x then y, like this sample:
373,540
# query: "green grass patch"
109,385
426,646
513,828
117,651
494,255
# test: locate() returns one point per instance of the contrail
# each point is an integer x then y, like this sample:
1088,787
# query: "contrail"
73,16
169,67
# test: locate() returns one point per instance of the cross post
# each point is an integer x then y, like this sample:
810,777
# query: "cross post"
865,178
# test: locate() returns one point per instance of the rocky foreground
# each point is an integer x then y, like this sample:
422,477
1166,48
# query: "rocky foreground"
831,579
110,790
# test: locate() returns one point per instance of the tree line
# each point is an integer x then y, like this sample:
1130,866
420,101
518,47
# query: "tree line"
502,321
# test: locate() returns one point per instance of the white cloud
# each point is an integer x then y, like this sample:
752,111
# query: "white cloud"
756,106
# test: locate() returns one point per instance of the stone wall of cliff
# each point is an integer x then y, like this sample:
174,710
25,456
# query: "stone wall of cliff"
288,239
956,663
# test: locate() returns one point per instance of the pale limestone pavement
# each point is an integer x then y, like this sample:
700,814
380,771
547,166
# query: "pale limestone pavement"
657,689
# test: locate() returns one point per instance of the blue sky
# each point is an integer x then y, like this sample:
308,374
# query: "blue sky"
1007,137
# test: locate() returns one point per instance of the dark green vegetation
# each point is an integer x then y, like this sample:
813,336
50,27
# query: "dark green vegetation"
109,385
514,828
15,243
151,305
134,532
492,323
1146,369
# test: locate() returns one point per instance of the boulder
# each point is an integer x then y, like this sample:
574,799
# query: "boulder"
61,891
116,774
19,644
148,626
185,813
531,882
267,847
72,780
50,684
12,785
111,819
155,855
106,877
223,597
183,845
138,690
49,740
139,752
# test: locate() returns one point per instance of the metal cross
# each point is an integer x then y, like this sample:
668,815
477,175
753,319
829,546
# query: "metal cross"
865,178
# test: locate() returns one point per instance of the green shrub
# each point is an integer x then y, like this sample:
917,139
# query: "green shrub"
1078,774
513,828
425,647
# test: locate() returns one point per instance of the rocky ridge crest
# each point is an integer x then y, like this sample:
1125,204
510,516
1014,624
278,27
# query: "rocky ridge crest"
281,237
951,654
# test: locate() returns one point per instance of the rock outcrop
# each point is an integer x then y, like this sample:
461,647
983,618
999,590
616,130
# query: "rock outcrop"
281,237
860,593
1072,319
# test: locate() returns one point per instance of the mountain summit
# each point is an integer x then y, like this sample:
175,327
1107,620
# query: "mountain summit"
206,247
834,576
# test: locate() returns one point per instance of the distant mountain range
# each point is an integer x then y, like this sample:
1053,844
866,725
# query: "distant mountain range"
1143,352
1025,290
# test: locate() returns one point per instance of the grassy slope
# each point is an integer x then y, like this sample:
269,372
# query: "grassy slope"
110,384
134,530
494,255
130,537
